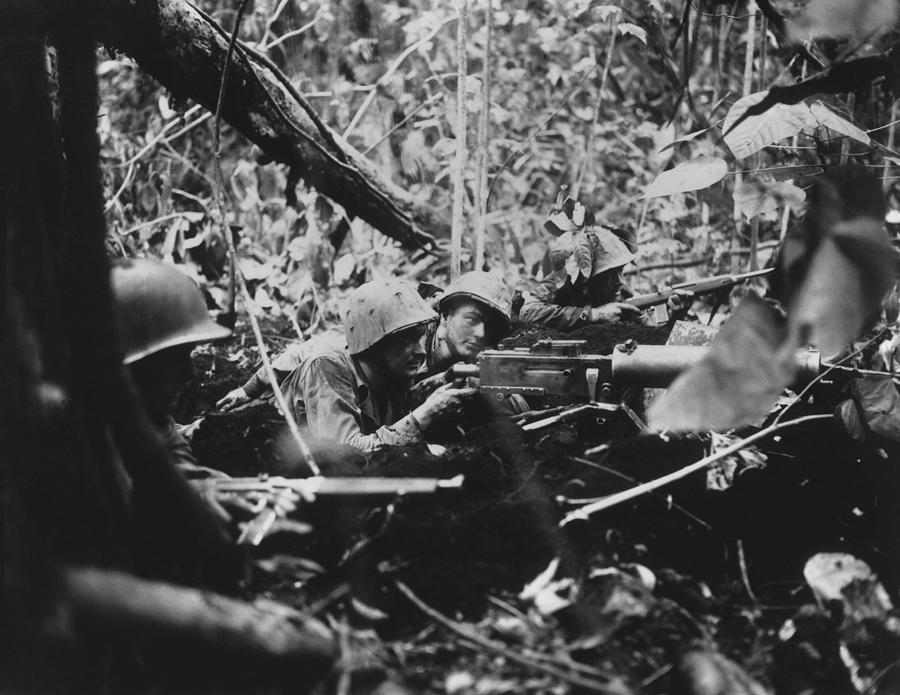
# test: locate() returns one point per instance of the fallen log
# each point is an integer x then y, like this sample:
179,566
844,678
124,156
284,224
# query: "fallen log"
185,50
268,641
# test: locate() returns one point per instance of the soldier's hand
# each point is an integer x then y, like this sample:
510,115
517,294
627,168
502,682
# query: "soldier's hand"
233,399
614,311
422,389
679,303
447,401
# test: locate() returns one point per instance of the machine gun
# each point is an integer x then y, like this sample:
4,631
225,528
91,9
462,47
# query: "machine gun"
275,497
558,373
710,285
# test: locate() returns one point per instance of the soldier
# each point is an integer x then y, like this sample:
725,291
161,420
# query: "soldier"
359,395
587,284
560,302
474,314
161,316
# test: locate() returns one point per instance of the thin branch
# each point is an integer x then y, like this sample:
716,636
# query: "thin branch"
162,134
612,686
304,449
112,201
635,492
291,34
399,125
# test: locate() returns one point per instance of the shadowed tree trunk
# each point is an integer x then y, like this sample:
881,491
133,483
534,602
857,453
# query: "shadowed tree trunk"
185,51
84,478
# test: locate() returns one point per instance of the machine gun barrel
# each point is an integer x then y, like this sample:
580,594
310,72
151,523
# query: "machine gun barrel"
703,286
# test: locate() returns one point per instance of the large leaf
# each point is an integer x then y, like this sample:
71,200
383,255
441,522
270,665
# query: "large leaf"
690,176
839,265
828,118
879,404
758,197
737,381
755,132
581,261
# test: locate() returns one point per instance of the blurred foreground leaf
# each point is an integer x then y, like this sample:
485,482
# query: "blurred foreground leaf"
737,381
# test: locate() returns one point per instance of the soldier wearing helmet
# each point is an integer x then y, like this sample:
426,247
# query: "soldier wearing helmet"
359,395
586,283
573,296
473,314
161,316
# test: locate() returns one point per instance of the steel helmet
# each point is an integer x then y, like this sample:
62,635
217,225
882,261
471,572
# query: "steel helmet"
158,307
484,288
378,308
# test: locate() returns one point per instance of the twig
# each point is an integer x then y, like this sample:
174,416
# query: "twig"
612,685
459,165
344,680
633,481
626,495
162,134
399,125
745,577
398,61
121,189
272,19
304,449
291,34
150,223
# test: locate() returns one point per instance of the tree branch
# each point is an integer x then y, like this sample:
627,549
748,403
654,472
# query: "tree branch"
177,44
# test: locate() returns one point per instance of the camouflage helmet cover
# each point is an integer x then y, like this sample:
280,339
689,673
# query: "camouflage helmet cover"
377,309
484,288
158,307
589,252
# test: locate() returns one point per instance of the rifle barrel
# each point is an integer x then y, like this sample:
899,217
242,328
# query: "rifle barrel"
701,286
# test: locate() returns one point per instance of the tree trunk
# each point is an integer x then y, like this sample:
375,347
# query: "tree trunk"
185,51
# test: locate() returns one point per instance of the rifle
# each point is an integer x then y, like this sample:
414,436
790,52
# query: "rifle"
279,494
710,285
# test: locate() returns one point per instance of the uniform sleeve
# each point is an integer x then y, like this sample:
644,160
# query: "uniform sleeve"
539,307
178,446
282,365
333,413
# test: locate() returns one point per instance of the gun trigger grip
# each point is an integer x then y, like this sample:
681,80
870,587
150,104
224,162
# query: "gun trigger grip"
593,376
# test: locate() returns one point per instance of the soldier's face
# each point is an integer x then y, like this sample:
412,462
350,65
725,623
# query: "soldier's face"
609,286
159,379
403,353
466,329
